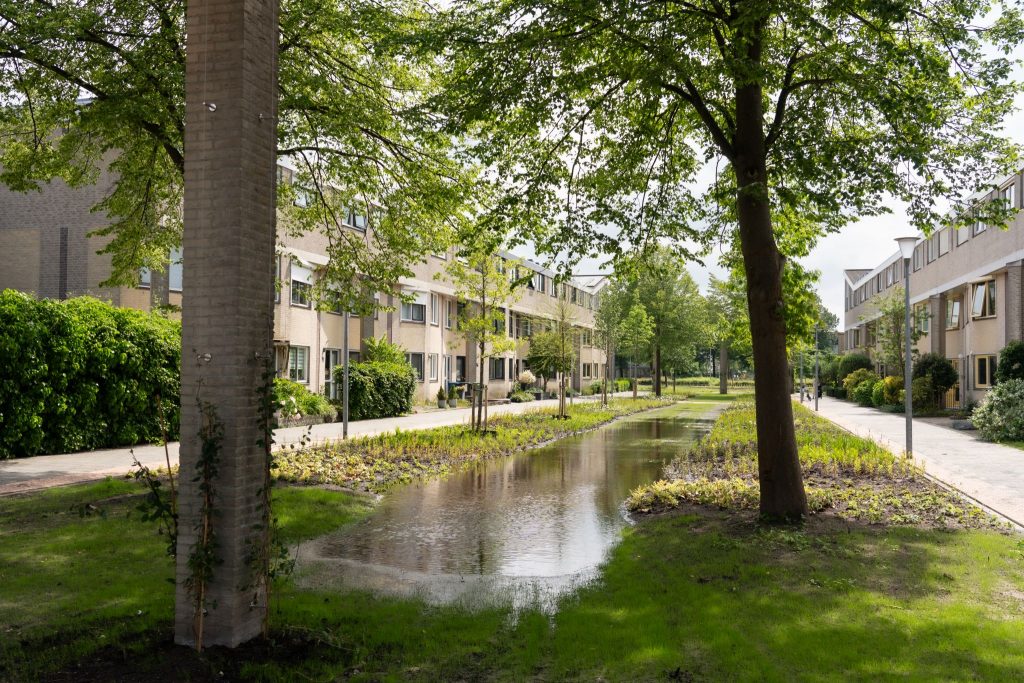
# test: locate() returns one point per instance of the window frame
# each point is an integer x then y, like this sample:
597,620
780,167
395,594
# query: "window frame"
293,369
412,307
409,356
953,309
435,314
432,366
990,370
989,303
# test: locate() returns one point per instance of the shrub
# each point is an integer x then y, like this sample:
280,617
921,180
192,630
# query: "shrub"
1000,417
81,374
296,400
622,384
886,392
452,392
595,388
383,351
851,381
1011,362
379,389
863,391
521,397
526,378
922,393
829,372
852,362
442,395
940,373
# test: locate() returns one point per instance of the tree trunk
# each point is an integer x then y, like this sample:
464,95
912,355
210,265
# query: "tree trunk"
478,410
227,320
657,368
723,365
781,484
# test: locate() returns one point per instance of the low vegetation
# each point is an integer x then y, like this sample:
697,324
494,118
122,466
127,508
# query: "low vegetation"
845,475
379,462
295,400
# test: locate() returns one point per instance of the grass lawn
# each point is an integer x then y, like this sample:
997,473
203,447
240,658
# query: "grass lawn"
690,594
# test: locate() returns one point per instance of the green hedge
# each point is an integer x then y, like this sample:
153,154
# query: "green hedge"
295,400
82,374
379,389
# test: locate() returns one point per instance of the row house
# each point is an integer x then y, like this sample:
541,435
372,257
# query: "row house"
966,293
46,249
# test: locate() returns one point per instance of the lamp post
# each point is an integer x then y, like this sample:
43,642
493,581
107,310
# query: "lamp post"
907,252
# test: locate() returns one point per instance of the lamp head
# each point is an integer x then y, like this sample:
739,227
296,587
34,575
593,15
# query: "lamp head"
907,245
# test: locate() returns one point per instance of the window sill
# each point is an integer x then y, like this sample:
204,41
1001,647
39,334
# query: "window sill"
984,317
414,322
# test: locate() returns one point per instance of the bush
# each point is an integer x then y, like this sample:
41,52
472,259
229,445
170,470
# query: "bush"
521,397
622,384
855,378
296,400
379,388
939,371
1011,362
526,378
1000,417
82,374
595,388
886,392
863,391
383,351
852,362
922,392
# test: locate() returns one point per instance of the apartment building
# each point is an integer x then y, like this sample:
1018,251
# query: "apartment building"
966,290
45,249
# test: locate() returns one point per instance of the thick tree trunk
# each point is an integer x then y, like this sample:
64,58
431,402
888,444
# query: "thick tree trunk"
781,483
657,369
227,320
723,365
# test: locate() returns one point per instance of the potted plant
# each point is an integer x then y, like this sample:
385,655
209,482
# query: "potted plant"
453,397
441,398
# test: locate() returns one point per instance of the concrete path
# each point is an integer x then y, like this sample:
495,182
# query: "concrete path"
990,473
44,471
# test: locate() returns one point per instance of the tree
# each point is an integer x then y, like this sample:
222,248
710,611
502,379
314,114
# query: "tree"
890,330
940,373
728,323
553,351
611,309
603,114
102,82
482,279
635,335
658,280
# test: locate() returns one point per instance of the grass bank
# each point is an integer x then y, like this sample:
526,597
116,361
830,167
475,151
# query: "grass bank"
379,462
844,475
692,594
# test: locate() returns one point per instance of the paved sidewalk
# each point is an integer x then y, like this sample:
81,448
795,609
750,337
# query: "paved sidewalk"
44,471
990,473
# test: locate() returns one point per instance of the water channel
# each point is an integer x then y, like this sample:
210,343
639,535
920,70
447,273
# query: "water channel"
523,530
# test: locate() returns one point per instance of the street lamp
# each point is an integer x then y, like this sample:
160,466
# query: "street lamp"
907,245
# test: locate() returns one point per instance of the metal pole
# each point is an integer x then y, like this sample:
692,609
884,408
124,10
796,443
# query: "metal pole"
817,373
344,383
907,393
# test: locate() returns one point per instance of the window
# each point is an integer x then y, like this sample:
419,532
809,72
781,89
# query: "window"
414,312
332,358
963,233
917,257
930,245
984,371
355,219
298,364
952,314
586,371
944,242
922,320
889,274
447,368
979,226
554,289
984,301
432,365
460,368
302,281
497,369
449,315
174,270
416,361
1007,195
434,312
145,277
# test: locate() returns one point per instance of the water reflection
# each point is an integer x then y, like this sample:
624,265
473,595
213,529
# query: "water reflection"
543,519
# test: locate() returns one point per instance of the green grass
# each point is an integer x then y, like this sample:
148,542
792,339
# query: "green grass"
379,462
844,474
698,594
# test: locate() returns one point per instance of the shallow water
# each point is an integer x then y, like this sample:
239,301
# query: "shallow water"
524,529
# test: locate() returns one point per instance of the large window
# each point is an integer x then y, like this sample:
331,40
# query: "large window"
984,300
332,358
1007,195
922,320
435,313
414,312
984,371
416,361
497,369
432,365
952,314
298,364
302,283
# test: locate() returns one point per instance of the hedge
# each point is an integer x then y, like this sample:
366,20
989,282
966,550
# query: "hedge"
82,374
296,400
378,389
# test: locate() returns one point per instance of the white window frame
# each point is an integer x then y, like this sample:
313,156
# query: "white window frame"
449,313
953,307
409,357
1008,193
409,311
435,314
990,364
298,364
432,366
